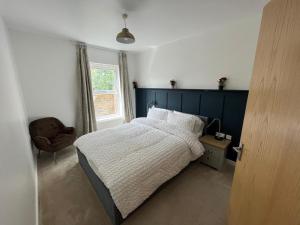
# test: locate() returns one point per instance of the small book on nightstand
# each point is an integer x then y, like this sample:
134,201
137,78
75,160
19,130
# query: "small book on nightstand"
215,151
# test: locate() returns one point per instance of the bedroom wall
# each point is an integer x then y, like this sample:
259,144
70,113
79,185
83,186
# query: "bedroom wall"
18,189
198,62
47,70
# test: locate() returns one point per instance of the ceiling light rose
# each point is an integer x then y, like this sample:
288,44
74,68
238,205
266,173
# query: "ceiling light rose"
125,37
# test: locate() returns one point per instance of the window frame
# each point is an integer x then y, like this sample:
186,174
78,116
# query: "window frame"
115,67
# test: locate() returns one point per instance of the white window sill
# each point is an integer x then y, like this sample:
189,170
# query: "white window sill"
111,118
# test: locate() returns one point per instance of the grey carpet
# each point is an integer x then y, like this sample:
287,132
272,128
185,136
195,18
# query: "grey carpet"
197,196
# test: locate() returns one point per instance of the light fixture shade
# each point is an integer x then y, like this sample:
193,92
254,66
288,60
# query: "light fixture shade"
125,37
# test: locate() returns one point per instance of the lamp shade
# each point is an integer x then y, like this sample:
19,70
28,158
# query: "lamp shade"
125,37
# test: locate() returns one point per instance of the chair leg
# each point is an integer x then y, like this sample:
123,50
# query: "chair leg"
39,154
54,157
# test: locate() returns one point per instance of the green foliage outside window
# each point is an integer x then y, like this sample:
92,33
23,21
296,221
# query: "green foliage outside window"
103,79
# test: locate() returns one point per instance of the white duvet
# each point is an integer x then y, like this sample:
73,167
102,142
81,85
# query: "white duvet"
134,159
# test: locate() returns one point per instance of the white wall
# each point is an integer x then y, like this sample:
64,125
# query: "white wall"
17,167
198,62
47,71
103,55
48,74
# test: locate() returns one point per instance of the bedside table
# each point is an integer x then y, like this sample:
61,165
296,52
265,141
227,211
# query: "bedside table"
215,151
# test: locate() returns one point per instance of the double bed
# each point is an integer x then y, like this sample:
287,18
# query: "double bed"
127,164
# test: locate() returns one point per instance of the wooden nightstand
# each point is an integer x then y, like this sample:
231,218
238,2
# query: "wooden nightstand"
215,151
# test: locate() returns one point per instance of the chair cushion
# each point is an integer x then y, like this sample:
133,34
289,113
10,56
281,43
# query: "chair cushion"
62,141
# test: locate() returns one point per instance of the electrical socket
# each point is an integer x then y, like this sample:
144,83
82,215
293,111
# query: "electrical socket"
228,137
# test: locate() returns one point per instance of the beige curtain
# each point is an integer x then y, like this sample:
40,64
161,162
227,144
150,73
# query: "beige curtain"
125,90
87,119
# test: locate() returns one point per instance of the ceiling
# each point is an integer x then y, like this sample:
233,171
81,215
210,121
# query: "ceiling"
153,22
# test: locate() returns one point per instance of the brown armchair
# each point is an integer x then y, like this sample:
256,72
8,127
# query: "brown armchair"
50,135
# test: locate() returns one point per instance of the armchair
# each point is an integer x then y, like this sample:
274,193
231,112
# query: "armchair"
51,135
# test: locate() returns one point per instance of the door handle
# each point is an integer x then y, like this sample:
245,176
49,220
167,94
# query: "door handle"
239,151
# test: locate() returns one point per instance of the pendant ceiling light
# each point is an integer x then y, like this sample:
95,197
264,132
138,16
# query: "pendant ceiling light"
125,37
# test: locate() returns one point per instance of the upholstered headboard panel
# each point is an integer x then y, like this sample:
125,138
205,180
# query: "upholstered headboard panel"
228,106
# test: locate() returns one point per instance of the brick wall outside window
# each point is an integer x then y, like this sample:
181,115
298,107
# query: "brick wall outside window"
105,104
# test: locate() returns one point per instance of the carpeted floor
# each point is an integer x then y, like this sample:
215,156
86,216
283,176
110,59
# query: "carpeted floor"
197,196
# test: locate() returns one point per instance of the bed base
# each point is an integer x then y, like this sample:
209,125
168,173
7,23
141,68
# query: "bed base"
102,192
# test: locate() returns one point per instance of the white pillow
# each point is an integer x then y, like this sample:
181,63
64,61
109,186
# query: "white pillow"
198,123
157,113
181,120
199,126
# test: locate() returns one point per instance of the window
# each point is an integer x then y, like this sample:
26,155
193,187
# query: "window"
106,90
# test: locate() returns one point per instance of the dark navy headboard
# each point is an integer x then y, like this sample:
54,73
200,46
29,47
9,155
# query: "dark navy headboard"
228,105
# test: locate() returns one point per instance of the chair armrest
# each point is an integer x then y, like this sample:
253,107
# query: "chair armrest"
69,130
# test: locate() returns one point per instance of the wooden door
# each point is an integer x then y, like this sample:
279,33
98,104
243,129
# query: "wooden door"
266,186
